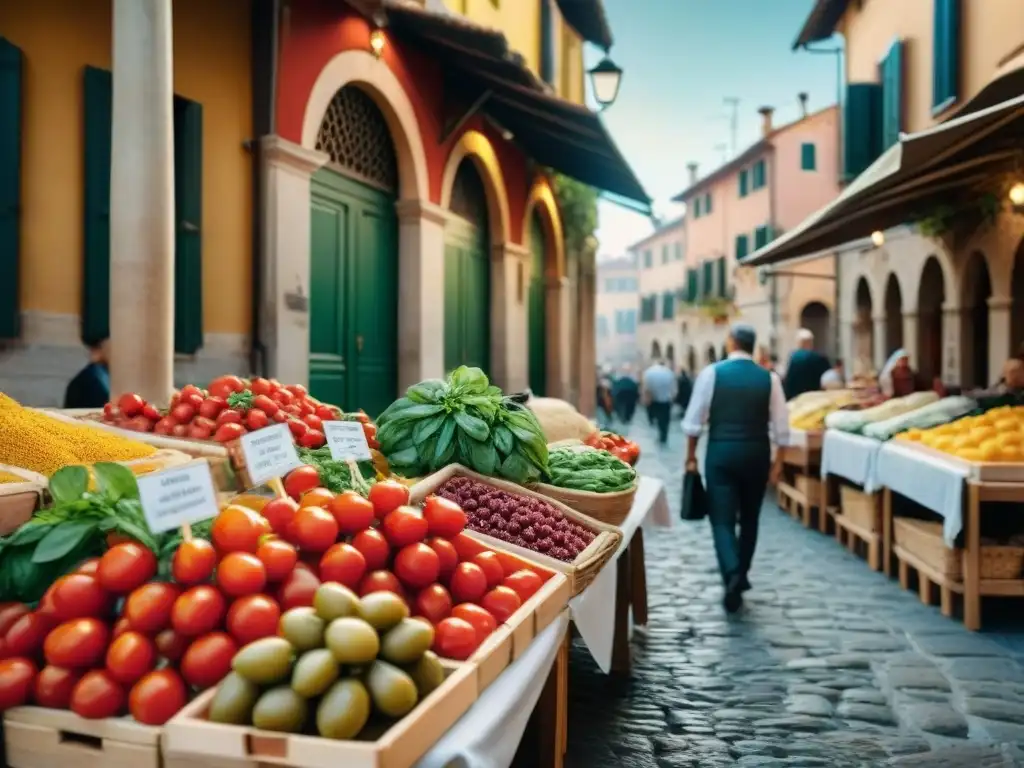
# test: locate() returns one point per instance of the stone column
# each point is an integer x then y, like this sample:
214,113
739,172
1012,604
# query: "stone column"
142,201
509,357
287,169
1000,335
558,348
421,291
881,343
952,359
573,325
910,337
587,340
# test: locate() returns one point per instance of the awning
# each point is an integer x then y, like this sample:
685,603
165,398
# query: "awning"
481,72
587,17
910,179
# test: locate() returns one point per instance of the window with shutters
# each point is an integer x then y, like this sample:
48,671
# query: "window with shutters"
692,285
648,259
602,327
679,251
707,202
892,95
744,182
722,282
862,127
760,237
808,161
742,247
668,305
945,53
696,207
11,65
664,254
759,175
708,282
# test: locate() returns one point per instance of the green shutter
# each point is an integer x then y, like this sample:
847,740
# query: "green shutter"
808,161
760,237
188,248
742,246
760,175
10,187
692,290
707,203
664,254
667,305
696,208
862,123
722,279
945,53
98,99
744,182
892,98
708,287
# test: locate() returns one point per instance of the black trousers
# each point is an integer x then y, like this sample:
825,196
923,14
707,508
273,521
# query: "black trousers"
661,414
736,476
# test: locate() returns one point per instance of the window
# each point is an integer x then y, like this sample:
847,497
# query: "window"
668,305
808,161
679,251
761,237
759,175
744,182
708,283
602,327
664,254
723,289
625,321
707,202
742,246
862,127
692,285
648,259
696,208
892,95
649,309
945,53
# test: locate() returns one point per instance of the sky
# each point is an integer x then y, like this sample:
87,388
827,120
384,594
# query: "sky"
681,59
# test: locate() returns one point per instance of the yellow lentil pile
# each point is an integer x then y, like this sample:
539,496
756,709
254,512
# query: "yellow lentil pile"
32,440
8,477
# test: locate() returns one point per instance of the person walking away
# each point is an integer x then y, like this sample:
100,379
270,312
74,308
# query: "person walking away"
806,366
659,385
604,402
626,394
744,407
90,388
684,388
834,377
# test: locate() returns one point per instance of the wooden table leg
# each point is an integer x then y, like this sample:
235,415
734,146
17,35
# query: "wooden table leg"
638,578
546,739
827,488
972,559
887,531
621,660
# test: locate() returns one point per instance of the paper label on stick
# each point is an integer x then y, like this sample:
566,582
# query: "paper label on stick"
269,453
347,440
179,496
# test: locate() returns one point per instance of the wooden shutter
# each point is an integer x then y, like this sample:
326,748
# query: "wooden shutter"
945,53
667,305
892,95
188,243
11,61
722,279
696,208
692,289
760,237
707,289
744,182
707,203
862,123
808,160
742,245
98,100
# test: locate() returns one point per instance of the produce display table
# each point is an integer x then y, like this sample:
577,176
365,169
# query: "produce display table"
939,485
854,511
800,490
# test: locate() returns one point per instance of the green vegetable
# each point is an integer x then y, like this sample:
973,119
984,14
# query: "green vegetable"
593,471
335,475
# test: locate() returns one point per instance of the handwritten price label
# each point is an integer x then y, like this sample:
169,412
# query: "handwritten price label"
177,497
269,453
347,440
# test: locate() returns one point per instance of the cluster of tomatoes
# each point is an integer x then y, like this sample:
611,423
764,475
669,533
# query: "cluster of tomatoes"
229,408
617,445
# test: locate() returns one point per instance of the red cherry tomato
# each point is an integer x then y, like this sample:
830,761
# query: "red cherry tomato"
97,696
380,581
491,566
121,626
447,555
183,413
344,564
387,496
198,611
483,622
256,419
171,645
417,565
261,387
17,677
444,517
193,562
301,479
126,567
238,529
26,635
316,497
298,428
313,529
326,413
227,432
374,548
77,644
252,618
208,660
130,657
314,422
298,589
468,583
240,574
225,386
404,526
265,404
279,513
89,567
455,639
352,512
312,438
53,687
130,404
278,558
212,406
501,602
77,595
148,608
433,603
229,416
10,613
157,697
525,583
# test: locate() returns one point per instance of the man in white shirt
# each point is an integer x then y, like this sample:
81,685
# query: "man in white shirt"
834,377
659,384
737,400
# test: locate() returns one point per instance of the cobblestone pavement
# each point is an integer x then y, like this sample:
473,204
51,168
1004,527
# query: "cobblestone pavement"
829,664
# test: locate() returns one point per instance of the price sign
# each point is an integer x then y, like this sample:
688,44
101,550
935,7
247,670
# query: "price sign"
177,497
347,440
269,453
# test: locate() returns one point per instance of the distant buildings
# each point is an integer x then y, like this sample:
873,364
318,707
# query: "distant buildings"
617,312
660,258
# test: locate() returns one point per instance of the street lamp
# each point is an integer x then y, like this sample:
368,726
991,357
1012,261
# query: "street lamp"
605,78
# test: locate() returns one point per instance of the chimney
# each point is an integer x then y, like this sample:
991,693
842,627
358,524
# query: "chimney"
766,120
693,172
802,98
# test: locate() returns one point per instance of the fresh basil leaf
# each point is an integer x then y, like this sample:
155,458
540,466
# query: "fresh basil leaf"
69,484
485,458
472,426
28,534
116,481
138,532
62,539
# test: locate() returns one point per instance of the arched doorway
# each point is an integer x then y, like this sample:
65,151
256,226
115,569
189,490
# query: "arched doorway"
537,309
931,293
670,355
655,350
691,360
975,341
353,325
863,330
816,318
710,356
893,315
724,353
467,273
1017,295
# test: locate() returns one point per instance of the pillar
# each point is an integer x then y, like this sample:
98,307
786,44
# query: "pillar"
288,169
509,358
910,338
881,343
1000,335
587,340
952,359
558,348
421,291
142,201
573,267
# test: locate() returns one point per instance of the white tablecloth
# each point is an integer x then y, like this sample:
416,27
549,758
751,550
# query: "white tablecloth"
853,457
929,480
593,611
488,735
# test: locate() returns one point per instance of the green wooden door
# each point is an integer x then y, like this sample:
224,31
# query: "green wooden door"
467,296
538,311
353,336
11,65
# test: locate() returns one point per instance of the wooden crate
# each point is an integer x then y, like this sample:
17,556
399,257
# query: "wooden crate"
810,487
861,509
190,734
19,501
195,448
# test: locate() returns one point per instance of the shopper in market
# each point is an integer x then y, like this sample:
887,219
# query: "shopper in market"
806,366
834,377
684,388
625,394
659,390
91,386
738,400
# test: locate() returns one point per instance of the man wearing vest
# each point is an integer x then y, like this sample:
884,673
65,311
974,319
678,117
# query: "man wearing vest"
737,400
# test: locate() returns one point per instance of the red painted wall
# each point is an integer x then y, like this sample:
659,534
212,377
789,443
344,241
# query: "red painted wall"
314,31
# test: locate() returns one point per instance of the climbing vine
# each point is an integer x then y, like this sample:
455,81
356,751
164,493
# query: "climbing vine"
577,204
960,220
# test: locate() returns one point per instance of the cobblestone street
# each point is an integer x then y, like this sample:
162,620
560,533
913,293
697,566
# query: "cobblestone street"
829,664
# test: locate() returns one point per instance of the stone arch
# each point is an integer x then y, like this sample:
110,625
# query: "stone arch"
542,201
931,294
670,354
975,291
863,347
817,318
893,308
655,350
477,147
375,78
710,356
1017,293
691,360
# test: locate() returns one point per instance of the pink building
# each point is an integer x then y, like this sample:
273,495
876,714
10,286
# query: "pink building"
775,183
660,259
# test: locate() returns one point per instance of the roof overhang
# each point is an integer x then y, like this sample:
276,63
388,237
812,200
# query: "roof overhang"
588,19
821,23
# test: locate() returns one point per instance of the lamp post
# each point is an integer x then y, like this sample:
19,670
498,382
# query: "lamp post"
605,79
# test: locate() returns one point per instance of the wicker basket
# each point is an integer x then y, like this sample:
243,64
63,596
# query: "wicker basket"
580,572
860,508
611,508
923,539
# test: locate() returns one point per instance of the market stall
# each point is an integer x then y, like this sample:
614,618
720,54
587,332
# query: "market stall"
848,465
